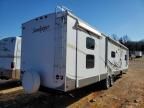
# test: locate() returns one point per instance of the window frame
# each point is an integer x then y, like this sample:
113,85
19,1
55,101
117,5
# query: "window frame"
90,45
90,63
126,57
113,54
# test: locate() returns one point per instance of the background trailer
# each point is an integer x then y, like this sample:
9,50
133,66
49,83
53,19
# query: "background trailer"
10,56
62,52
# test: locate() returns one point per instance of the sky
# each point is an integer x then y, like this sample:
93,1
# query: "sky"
120,17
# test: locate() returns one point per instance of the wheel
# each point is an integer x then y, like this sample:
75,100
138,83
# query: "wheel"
106,82
111,80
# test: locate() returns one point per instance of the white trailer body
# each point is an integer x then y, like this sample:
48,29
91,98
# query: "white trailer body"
118,57
10,53
62,52
138,53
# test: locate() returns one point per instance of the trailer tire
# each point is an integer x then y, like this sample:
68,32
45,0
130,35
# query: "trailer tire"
111,80
106,82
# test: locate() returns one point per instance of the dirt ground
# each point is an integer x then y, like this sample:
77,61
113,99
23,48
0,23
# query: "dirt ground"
127,92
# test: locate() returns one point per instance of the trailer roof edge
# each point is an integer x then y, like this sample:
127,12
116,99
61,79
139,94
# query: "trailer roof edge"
84,25
112,40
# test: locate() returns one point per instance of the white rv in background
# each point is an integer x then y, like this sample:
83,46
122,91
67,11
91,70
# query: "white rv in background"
138,54
10,53
62,52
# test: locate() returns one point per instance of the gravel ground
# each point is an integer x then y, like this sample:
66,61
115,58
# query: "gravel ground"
127,92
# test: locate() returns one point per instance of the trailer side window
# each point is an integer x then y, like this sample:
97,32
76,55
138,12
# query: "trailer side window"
125,57
90,61
90,43
113,54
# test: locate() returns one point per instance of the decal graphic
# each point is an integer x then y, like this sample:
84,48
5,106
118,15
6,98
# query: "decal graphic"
41,29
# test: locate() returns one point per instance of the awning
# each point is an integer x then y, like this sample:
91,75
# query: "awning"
86,27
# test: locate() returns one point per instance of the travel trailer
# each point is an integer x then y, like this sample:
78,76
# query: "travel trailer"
62,52
138,54
10,53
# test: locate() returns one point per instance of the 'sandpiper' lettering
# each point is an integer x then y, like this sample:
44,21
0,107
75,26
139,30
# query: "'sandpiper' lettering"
41,29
